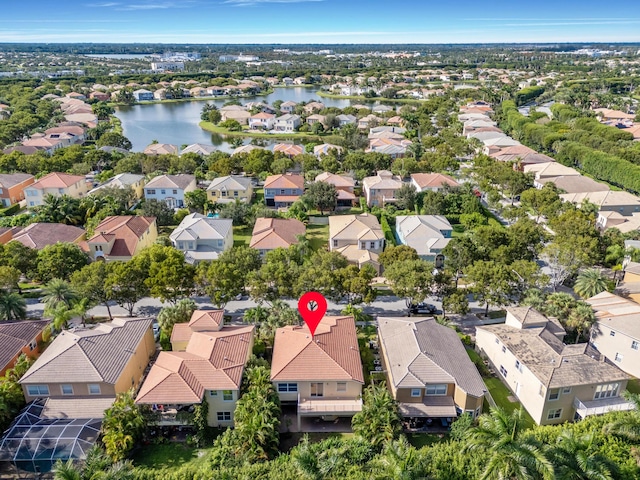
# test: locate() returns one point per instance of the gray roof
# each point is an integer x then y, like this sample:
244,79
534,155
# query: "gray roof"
230,182
421,351
181,181
89,355
552,362
8,180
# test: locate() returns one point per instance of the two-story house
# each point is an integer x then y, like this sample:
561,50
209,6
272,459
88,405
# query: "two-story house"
121,237
554,382
344,188
262,121
381,188
17,338
616,334
287,123
206,364
271,233
123,181
283,190
427,234
56,184
12,186
288,106
359,238
142,95
170,189
202,238
288,149
229,189
38,235
321,374
91,366
429,372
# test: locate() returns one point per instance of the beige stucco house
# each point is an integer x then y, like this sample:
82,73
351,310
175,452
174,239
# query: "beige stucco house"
429,372
121,237
56,184
85,367
554,382
357,237
321,375
381,189
123,181
206,364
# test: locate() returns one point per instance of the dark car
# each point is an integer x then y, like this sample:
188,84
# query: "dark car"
423,308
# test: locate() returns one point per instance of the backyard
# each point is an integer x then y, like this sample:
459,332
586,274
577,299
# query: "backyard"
318,236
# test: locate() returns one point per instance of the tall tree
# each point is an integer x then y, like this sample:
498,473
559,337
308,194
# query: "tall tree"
58,292
510,452
12,306
491,282
322,195
379,421
60,261
90,283
122,427
126,283
590,282
410,279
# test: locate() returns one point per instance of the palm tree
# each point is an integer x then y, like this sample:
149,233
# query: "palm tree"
628,426
66,471
512,453
400,461
576,457
379,421
591,282
12,306
581,319
57,292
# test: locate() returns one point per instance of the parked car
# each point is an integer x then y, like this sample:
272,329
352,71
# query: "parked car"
423,308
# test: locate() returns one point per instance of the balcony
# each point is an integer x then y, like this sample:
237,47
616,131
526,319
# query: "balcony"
330,406
601,406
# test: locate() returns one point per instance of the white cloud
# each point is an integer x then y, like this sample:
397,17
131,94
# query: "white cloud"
248,3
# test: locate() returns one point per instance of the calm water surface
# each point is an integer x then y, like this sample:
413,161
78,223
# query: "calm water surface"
177,123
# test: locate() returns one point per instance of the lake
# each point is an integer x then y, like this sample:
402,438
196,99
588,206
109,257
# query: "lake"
177,123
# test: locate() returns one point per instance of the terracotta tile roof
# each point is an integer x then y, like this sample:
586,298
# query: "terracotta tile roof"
15,336
271,233
213,361
201,321
92,355
39,235
125,231
289,150
338,181
57,180
425,180
331,354
287,180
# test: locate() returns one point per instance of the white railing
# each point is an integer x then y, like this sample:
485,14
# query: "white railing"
601,406
329,405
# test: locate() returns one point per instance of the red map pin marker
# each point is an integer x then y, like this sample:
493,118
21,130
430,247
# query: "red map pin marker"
312,307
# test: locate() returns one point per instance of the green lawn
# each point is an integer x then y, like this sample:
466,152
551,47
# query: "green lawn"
420,440
500,394
167,455
458,230
258,196
242,236
318,236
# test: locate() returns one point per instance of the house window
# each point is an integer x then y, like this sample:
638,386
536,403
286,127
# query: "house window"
94,389
235,193
227,395
436,389
566,390
32,193
372,244
618,357
98,248
175,192
213,393
163,192
66,389
220,243
541,391
634,345
281,192
224,416
554,394
317,389
224,193
612,333
341,387
497,341
503,371
287,387
33,345
151,192
554,413
363,245
37,390
518,366
504,349
416,392
335,243
61,191
190,245
607,390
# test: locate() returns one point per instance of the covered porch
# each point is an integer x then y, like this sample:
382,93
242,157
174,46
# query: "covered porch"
329,409
601,406
433,413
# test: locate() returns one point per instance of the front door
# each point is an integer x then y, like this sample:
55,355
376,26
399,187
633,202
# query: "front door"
316,389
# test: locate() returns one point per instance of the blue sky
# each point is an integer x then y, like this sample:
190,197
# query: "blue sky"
318,21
